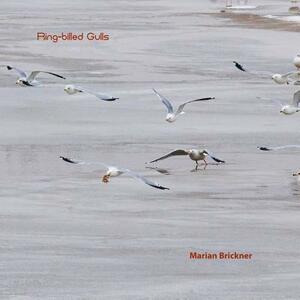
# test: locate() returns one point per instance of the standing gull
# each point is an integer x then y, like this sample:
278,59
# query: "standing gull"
194,154
287,78
29,80
72,89
114,172
171,115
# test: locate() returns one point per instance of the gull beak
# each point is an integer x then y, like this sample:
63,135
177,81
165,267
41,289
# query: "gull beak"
295,174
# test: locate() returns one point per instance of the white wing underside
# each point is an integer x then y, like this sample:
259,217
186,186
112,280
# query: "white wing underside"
165,101
143,179
275,101
100,96
19,71
86,163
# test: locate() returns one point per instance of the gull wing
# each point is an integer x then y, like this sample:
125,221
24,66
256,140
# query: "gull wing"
165,101
214,158
262,74
173,153
81,162
20,72
180,107
275,101
290,74
263,148
99,95
144,179
296,99
33,74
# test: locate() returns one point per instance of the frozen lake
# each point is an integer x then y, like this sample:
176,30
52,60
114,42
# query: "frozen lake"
65,235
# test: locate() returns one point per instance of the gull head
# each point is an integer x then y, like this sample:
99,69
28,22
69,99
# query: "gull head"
297,61
19,81
69,89
279,79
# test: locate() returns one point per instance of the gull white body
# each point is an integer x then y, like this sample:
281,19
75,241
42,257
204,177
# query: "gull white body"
71,90
113,172
296,61
197,155
289,109
22,81
279,79
172,117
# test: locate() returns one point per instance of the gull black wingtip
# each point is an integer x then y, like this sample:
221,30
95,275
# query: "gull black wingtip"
220,161
239,66
66,159
160,187
112,99
264,148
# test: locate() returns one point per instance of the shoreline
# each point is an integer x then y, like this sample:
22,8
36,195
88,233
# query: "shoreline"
257,22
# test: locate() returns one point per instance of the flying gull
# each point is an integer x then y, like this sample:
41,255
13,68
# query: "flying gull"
115,171
29,80
263,148
171,115
287,109
72,89
194,154
287,78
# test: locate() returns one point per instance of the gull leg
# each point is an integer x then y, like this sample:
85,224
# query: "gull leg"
197,165
205,164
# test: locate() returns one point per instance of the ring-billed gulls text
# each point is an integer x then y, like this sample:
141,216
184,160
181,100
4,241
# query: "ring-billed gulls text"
171,115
